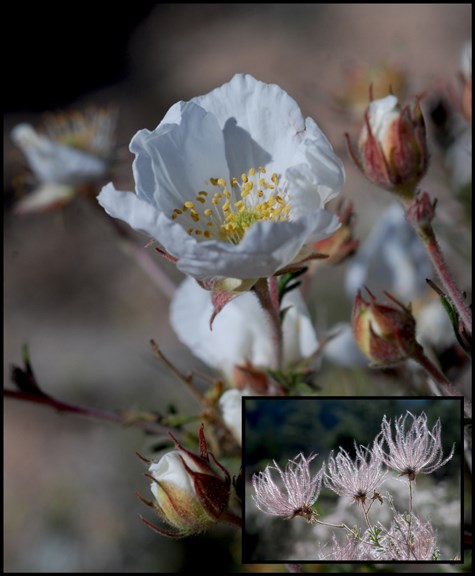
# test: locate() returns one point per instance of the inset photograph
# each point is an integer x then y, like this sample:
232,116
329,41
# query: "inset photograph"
353,479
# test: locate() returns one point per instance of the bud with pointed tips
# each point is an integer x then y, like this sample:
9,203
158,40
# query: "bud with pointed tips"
191,491
392,148
385,334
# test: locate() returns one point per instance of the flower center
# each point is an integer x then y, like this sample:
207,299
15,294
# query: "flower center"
228,209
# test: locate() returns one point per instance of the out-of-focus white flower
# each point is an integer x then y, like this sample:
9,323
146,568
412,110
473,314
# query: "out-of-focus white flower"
391,259
241,331
466,61
342,348
231,408
67,153
232,184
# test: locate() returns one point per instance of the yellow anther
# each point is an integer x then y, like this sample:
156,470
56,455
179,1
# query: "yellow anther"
202,193
215,201
222,182
275,178
214,181
260,193
280,200
174,216
252,172
234,181
218,195
262,170
177,211
262,182
226,206
239,204
207,234
198,232
189,205
244,178
208,212
227,193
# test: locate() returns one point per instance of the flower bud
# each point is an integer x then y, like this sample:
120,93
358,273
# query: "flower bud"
385,334
392,148
189,493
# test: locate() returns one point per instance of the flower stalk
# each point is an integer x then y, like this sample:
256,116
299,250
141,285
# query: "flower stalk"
267,294
420,212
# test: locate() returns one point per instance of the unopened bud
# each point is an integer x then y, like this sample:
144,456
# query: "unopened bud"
392,148
385,334
190,494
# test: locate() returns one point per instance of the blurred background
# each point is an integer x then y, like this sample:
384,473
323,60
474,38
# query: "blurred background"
86,309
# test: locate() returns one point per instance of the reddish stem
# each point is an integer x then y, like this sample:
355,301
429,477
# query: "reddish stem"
105,415
451,289
266,292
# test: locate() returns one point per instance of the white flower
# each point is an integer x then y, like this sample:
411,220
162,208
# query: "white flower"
392,259
232,184
231,408
241,331
70,151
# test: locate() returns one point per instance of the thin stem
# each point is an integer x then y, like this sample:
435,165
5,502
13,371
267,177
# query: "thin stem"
410,520
441,379
123,417
453,292
265,292
335,525
186,379
365,514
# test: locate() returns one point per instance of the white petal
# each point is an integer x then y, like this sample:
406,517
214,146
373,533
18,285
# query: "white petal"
300,339
230,405
170,469
52,162
176,161
262,124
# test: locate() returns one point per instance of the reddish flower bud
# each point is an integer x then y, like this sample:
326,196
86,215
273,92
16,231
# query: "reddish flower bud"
392,148
385,334
190,494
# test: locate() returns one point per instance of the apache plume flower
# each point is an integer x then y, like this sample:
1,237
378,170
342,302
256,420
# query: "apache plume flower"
408,538
232,184
299,493
352,549
392,147
417,451
355,479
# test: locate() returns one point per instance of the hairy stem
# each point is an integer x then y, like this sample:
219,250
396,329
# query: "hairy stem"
450,287
266,292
